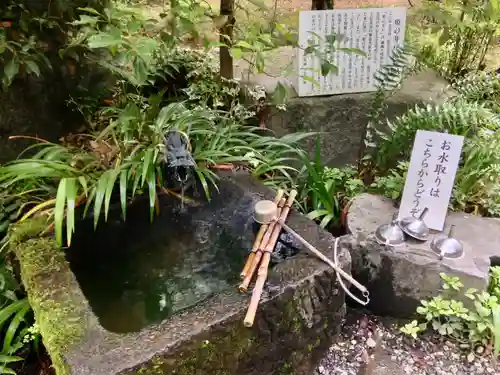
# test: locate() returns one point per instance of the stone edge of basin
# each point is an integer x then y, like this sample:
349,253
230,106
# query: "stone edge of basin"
398,278
78,344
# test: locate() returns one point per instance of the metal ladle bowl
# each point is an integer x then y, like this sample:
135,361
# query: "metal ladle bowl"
416,227
447,247
390,234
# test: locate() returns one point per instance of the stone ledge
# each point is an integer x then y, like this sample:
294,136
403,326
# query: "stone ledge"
398,278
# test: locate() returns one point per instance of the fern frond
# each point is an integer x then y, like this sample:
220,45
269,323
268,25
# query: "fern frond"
460,117
403,64
387,81
480,87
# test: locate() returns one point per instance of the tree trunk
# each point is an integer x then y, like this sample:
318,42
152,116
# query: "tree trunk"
322,4
226,37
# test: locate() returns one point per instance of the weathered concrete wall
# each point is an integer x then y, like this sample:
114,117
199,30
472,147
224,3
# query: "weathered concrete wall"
341,118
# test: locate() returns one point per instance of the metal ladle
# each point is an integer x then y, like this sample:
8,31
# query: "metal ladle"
416,227
447,247
390,234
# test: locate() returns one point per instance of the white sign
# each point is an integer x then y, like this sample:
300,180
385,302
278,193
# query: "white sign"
375,31
431,175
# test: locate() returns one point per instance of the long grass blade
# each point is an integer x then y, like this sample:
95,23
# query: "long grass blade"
71,193
123,191
59,209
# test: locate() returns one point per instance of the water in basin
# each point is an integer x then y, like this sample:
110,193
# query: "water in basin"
136,273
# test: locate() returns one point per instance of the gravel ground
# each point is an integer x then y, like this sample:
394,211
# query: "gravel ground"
397,354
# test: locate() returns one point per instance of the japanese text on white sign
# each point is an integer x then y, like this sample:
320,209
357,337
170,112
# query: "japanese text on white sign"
431,175
375,31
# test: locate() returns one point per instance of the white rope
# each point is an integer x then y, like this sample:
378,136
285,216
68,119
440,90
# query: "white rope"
363,290
335,265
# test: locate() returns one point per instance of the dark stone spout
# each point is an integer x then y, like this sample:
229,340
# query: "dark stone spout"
178,161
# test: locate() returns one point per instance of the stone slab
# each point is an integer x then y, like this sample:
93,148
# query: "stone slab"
300,313
398,278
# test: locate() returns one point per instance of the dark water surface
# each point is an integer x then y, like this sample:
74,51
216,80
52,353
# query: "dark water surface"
136,273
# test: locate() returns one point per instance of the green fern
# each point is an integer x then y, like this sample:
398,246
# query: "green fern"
480,88
456,117
471,112
387,81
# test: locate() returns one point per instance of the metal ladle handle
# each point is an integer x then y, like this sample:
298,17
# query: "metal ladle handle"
423,213
451,232
394,218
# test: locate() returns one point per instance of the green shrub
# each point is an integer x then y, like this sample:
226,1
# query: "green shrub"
33,35
475,325
456,35
471,113
16,327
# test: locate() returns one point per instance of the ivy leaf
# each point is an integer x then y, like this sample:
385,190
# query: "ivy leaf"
103,40
244,45
10,70
355,51
259,62
327,68
279,93
236,53
32,67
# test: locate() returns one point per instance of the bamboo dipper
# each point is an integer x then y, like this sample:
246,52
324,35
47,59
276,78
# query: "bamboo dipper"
263,269
280,223
258,254
258,238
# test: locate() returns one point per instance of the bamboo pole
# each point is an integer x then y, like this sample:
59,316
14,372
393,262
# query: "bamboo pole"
258,253
324,258
263,269
258,238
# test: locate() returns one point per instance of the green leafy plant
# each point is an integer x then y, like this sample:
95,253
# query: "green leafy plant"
387,82
128,153
324,191
15,322
12,318
475,325
122,39
31,34
481,87
21,52
324,49
456,35
392,184
467,113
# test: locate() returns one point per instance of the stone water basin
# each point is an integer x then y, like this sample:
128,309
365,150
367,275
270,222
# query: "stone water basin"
161,297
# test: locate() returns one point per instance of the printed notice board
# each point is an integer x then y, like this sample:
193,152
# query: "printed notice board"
375,31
